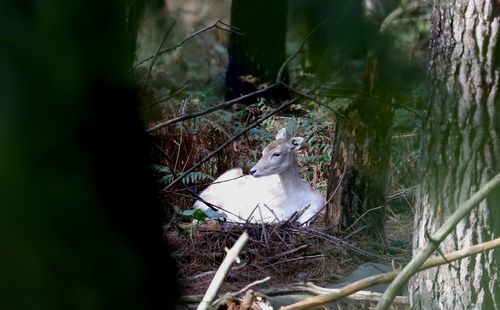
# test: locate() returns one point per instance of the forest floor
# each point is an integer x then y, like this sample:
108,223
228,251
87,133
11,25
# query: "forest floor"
289,254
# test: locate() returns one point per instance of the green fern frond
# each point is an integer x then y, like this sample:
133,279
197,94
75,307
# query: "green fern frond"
192,177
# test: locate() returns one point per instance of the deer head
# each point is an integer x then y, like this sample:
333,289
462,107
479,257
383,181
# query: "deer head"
279,156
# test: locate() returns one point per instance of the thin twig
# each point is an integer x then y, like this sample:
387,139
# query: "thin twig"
331,196
172,95
431,245
297,258
214,25
291,251
148,75
194,195
221,273
407,108
397,12
299,92
389,276
279,76
363,215
211,206
246,288
209,110
233,138
343,243
208,183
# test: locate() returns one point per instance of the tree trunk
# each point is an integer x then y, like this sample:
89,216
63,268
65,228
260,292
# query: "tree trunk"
256,55
360,159
73,235
460,151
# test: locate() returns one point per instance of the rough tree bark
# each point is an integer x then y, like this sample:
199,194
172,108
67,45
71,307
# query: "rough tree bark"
260,51
360,160
460,151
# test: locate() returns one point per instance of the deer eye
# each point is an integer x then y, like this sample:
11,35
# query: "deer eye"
276,154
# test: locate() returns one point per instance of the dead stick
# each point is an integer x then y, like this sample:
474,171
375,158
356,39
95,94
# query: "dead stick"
436,238
207,111
150,69
220,275
389,276
246,288
281,71
359,295
209,27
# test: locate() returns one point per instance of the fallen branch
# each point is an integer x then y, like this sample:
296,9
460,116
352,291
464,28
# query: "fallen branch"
220,275
436,238
343,243
359,295
389,276
243,290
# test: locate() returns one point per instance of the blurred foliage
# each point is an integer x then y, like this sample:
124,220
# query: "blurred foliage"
80,226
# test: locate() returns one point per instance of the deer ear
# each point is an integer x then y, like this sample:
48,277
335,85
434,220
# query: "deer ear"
296,143
281,134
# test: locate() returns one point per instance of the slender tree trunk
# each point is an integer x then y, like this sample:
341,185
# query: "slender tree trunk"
360,160
460,151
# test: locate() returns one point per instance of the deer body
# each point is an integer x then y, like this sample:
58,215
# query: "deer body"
273,192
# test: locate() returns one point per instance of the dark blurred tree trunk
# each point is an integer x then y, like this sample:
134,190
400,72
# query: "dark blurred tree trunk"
460,151
152,27
360,160
77,231
319,56
260,51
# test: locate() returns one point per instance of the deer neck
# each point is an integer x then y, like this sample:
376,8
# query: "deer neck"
290,180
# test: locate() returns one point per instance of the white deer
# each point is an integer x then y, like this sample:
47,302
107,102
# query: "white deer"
273,192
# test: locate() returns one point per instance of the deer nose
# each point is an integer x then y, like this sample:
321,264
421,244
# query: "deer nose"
253,171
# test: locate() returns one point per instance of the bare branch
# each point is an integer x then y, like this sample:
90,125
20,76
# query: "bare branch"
299,92
211,206
279,77
431,245
148,75
389,276
172,95
397,12
221,273
214,25
209,110
343,243
246,288
193,195
331,196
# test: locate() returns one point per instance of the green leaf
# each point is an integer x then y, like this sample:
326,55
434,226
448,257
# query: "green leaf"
199,215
